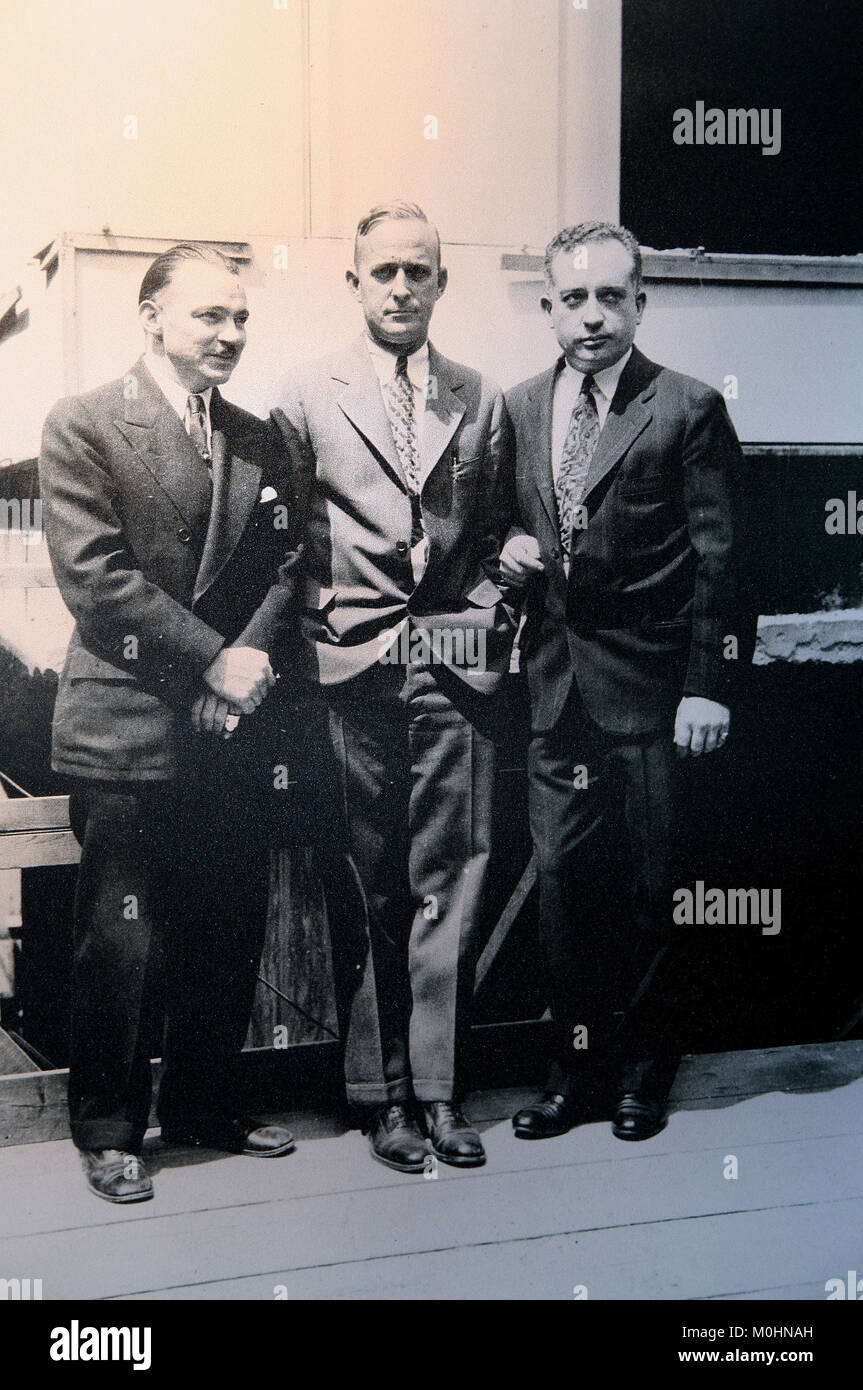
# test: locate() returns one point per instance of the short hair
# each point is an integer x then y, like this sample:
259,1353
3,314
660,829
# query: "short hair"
569,237
164,267
399,210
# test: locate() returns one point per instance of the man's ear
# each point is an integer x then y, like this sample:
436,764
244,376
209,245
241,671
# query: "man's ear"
149,316
442,280
353,282
546,303
640,301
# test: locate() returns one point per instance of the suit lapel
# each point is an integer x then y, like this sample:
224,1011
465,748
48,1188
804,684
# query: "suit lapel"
156,433
630,413
236,486
538,430
362,402
443,413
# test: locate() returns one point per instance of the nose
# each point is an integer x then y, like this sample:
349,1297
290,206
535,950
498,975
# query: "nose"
401,289
231,332
592,315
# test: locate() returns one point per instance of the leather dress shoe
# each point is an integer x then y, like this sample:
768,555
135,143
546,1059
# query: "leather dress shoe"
117,1176
395,1139
554,1114
453,1138
638,1116
236,1136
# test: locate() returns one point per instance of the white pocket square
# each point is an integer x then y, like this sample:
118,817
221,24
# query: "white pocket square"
268,494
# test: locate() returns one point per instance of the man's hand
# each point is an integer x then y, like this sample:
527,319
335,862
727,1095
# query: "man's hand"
700,726
241,676
210,715
519,560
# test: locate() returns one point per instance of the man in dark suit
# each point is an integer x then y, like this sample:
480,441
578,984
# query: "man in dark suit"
165,510
628,543
409,502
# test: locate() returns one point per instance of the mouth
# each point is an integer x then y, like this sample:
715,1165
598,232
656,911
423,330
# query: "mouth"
593,342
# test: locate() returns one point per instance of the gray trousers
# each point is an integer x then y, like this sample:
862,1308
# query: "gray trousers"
416,761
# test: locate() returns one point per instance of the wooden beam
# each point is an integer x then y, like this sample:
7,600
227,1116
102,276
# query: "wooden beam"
13,1059
38,849
35,813
507,919
715,267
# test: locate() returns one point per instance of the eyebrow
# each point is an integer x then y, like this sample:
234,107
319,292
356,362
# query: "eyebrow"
218,309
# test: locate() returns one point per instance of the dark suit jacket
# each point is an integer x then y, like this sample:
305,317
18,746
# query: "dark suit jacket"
360,583
653,586
157,579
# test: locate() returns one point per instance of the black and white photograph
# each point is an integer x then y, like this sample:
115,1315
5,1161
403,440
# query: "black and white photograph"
431,661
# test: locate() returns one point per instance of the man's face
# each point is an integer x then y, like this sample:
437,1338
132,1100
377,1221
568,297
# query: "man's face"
198,322
592,304
398,280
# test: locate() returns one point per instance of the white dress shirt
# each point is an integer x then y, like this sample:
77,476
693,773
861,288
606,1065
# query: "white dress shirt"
176,394
567,389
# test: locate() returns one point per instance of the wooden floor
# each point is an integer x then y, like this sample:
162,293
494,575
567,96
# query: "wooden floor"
627,1221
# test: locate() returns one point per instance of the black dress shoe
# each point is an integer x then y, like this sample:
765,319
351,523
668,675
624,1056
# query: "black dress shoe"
117,1176
638,1116
236,1136
554,1114
395,1139
453,1138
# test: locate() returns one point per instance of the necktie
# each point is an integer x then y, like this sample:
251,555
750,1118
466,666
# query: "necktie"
400,402
196,425
400,408
578,450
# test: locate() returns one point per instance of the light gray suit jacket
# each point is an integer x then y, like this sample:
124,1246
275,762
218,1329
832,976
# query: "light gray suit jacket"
360,583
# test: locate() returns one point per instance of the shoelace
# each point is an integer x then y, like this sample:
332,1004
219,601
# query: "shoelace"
444,1111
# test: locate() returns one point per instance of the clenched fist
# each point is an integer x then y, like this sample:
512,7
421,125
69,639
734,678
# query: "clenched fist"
519,559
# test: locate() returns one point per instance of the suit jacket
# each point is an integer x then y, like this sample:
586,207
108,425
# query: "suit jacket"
653,587
158,576
360,583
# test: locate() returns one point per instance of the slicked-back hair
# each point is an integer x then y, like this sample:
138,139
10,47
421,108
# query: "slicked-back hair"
163,268
570,237
398,210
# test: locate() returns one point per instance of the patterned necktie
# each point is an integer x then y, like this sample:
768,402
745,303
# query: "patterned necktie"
196,425
400,408
578,450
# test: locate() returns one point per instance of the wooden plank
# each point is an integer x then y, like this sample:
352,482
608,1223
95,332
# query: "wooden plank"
34,813
807,1066
43,1192
736,268
690,1260
34,849
12,1057
307,1076
508,917
631,1202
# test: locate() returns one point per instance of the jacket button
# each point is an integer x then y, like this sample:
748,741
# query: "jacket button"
184,534
402,547
555,554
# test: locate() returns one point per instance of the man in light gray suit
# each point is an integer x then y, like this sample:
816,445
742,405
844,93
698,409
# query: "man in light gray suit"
410,499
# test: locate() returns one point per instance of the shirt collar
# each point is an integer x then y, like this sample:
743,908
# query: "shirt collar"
384,363
177,395
605,380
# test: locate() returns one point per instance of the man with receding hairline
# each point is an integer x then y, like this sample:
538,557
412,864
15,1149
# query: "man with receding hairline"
627,550
410,466
160,505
